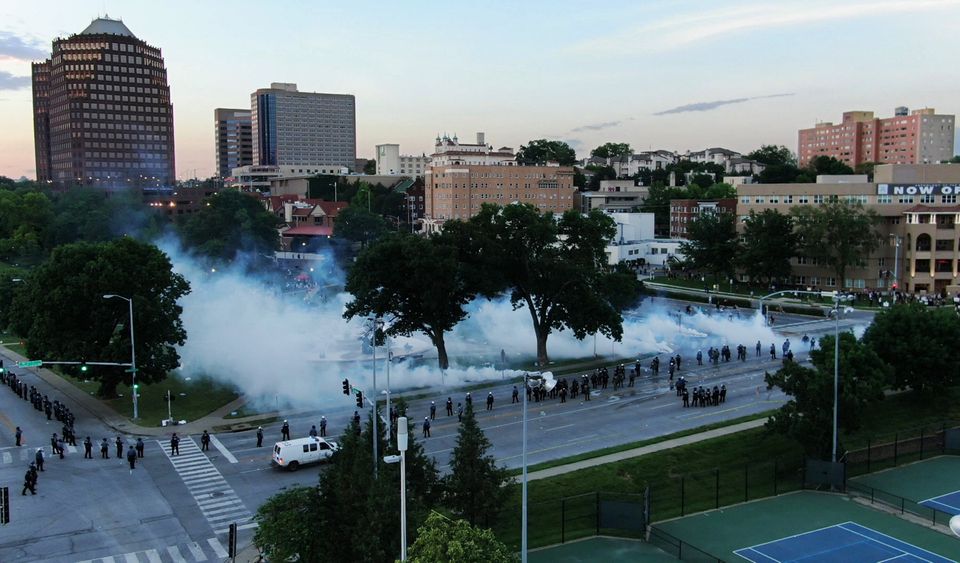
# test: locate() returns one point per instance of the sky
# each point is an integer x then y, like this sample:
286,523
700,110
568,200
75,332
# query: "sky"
657,74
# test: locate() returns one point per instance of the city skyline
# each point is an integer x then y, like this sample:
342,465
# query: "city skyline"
732,74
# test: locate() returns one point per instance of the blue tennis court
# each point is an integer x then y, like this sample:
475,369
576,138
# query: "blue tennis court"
949,503
841,543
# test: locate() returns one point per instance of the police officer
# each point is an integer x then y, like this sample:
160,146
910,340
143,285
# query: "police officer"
490,401
259,436
459,412
60,446
285,431
313,431
449,406
87,449
132,458
53,443
39,458
29,483
323,426
119,443
174,444
426,427
19,435
104,448
433,410
515,395
139,447
204,442
468,399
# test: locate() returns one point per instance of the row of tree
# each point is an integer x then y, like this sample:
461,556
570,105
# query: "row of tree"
905,348
351,516
555,267
838,234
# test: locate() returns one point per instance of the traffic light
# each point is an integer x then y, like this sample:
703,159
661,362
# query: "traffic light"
4,505
359,399
232,540
346,382
894,285
83,367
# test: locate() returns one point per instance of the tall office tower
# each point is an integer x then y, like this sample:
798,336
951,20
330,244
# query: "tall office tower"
292,128
234,140
102,112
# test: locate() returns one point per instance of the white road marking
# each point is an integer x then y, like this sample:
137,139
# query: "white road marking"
174,552
217,548
223,449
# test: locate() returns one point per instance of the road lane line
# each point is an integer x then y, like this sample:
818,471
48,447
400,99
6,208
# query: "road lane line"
197,553
175,554
153,556
223,449
217,548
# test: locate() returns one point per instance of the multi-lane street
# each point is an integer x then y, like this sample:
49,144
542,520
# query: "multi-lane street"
177,508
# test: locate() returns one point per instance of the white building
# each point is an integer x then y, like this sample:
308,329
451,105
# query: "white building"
635,243
391,163
614,196
449,150
258,178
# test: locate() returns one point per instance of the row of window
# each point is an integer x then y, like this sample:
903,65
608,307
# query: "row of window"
857,198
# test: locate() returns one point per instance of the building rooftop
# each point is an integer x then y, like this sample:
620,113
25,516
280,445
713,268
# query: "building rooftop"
108,26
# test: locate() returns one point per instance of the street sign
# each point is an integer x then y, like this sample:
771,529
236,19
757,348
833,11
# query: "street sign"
30,364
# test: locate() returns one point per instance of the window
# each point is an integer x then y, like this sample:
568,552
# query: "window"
818,198
943,266
803,200
788,199
923,243
884,199
928,198
951,198
944,245
831,282
744,199
760,199
921,265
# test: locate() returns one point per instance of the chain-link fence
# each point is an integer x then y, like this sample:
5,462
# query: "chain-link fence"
890,450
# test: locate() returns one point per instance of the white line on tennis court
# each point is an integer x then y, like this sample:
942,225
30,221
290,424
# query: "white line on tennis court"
842,526
760,553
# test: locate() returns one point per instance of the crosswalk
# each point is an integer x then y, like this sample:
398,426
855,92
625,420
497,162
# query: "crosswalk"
193,552
217,501
26,454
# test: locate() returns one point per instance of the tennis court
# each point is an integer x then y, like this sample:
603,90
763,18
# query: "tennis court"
600,549
848,542
949,503
934,479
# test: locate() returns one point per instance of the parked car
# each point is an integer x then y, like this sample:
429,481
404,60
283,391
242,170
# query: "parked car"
291,454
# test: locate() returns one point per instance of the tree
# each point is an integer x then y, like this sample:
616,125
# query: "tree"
768,244
658,203
838,234
25,216
540,151
287,526
441,540
370,168
598,174
913,340
828,165
359,225
712,244
82,214
476,486
955,160
866,168
416,280
554,268
720,190
612,150
808,415
771,155
228,224
62,313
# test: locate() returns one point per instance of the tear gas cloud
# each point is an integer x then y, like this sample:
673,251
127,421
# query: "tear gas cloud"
283,347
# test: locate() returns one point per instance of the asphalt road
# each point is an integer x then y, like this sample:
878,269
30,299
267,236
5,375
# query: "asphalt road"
175,509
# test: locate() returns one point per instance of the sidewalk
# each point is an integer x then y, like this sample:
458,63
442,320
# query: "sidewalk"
637,452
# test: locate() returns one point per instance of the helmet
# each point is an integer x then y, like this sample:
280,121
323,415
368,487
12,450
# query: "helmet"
323,418
284,420
259,427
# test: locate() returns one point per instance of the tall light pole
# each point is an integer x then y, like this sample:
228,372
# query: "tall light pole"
376,434
402,446
523,512
897,239
133,354
838,298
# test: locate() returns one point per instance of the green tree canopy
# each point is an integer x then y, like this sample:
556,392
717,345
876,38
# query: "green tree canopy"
612,150
553,268
25,216
441,540
540,151
712,244
370,167
772,155
287,526
598,174
915,340
356,224
720,190
808,415
658,203
228,224
839,234
62,313
768,244
476,486
828,165
416,280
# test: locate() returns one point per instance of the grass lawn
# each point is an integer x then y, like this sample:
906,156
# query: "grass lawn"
12,341
193,399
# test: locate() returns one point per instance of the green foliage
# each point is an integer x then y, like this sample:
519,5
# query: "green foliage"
828,165
720,191
25,217
83,214
540,151
554,268
768,244
712,244
228,224
598,174
916,341
475,488
370,167
612,150
440,540
866,168
416,280
658,203
808,415
772,155
287,526
579,179
62,313
955,160
356,224
837,233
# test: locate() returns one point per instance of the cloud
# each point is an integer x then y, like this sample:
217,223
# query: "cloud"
18,48
596,126
685,29
707,106
10,82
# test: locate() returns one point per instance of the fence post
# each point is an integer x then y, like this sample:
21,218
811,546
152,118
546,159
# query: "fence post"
746,482
921,442
943,442
598,513
869,452
716,487
563,520
682,504
896,446
774,476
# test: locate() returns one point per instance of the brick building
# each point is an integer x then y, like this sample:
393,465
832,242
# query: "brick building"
685,211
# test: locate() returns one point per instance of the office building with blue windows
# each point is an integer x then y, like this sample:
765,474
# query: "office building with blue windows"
293,128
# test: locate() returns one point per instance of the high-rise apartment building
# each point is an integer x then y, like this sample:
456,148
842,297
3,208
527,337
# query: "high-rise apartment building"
391,163
233,138
102,111
918,137
292,128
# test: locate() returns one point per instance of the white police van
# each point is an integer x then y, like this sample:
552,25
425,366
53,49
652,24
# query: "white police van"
291,454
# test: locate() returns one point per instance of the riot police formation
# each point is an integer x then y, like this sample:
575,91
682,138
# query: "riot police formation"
51,409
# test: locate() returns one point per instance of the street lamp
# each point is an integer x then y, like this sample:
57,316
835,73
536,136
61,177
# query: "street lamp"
523,512
133,354
402,458
897,239
838,298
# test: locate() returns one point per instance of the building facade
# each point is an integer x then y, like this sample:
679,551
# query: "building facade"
234,141
919,234
102,111
457,191
302,129
391,163
615,196
685,211
918,137
449,150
